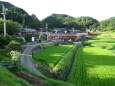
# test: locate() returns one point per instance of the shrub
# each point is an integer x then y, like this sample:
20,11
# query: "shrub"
19,40
4,52
41,37
15,56
102,46
15,46
28,37
64,65
4,40
3,58
86,43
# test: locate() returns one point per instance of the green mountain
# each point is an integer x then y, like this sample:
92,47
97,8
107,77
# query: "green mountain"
68,22
7,4
21,16
58,20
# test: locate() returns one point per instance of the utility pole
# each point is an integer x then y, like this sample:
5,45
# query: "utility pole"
4,18
41,30
73,29
46,28
47,31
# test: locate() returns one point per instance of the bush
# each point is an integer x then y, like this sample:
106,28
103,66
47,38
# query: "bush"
64,65
15,46
3,58
19,40
4,40
86,43
28,37
69,40
102,47
13,64
15,56
41,37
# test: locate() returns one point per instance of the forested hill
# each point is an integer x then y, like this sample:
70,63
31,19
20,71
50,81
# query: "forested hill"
58,20
7,4
21,16
108,24
66,21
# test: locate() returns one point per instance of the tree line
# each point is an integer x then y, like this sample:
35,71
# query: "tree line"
107,25
68,22
21,16
15,14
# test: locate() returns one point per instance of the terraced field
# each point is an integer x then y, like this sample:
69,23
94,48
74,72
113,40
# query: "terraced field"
52,55
105,43
93,67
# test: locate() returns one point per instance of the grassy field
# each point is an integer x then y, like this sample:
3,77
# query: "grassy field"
9,79
93,67
52,55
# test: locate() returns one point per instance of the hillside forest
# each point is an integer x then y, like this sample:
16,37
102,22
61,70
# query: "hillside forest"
82,23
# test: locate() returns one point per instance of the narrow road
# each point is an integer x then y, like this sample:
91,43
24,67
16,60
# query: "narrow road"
26,58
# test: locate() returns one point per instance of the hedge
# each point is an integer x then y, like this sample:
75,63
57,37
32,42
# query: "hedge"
61,70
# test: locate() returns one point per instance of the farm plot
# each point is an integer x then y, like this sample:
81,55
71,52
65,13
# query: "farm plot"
105,43
93,67
52,55
101,40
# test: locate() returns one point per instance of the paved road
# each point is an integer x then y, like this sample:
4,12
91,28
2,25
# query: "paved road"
26,59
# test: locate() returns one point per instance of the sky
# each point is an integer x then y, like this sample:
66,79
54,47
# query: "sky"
98,9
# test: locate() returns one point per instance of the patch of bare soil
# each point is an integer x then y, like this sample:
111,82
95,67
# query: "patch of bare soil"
36,81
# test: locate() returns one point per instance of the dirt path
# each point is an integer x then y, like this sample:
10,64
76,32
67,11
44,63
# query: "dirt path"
26,59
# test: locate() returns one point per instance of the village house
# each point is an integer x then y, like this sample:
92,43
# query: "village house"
62,36
28,31
65,36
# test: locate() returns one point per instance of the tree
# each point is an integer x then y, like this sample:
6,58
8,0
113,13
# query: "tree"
21,16
58,21
87,22
11,27
35,23
66,21
41,37
28,37
107,25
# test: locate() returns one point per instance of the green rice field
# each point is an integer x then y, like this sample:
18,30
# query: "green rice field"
52,55
93,67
